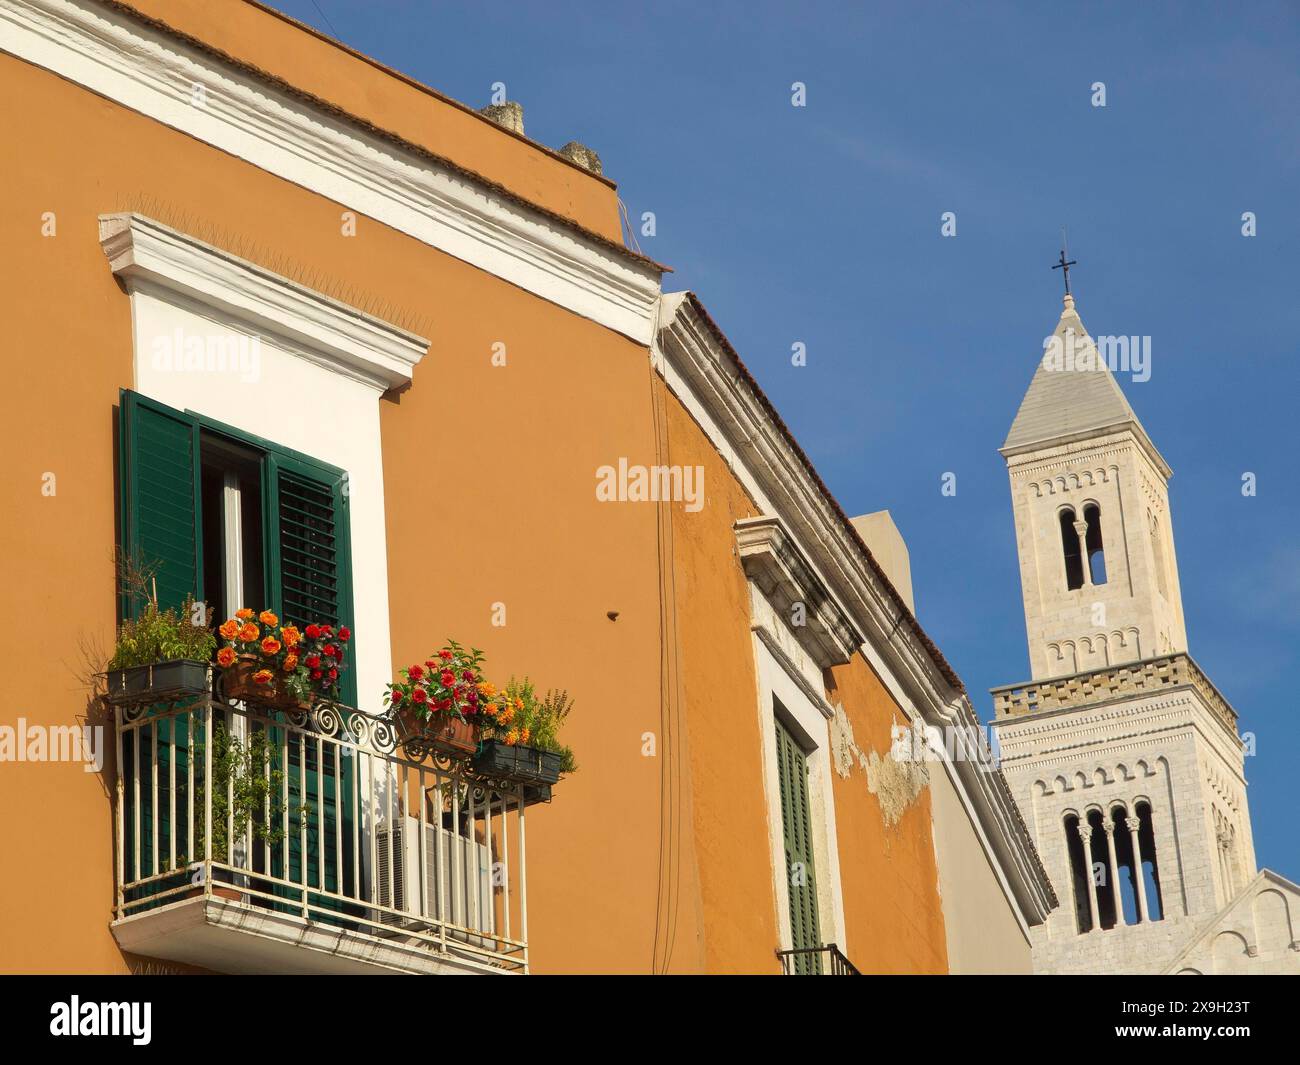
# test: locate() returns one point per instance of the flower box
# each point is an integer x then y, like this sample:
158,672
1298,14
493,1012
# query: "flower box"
239,684
180,677
444,732
525,764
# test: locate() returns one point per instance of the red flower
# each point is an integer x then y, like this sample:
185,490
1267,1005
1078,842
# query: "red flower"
431,663
444,705
415,672
397,697
334,674
448,678
315,674
313,632
326,630
328,650
468,675
473,698
313,661
345,634
444,655
420,696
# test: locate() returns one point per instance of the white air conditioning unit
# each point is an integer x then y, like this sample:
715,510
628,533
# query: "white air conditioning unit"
457,880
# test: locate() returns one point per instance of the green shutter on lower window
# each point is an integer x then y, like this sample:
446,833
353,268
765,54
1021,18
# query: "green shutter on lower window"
796,832
311,563
160,501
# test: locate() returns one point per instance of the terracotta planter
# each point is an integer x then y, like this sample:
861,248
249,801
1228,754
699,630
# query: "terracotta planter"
239,684
222,891
444,732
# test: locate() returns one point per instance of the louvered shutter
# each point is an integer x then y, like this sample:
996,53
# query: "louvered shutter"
311,549
796,830
160,519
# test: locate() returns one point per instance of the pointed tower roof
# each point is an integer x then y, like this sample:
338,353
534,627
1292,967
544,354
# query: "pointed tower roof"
1073,393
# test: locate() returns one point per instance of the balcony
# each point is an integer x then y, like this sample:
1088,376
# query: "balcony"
826,960
319,848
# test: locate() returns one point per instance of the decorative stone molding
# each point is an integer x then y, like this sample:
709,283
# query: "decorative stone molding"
149,256
1147,677
773,561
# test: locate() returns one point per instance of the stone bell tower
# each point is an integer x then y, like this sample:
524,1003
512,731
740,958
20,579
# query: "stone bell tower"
1124,758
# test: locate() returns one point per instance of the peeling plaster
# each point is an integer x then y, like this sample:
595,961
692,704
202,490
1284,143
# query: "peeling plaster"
896,784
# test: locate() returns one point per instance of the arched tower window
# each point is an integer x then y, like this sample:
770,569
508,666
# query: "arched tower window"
1079,873
1149,861
1071,548
1096,556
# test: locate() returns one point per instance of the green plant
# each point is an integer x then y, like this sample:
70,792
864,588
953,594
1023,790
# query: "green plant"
516,716
247,782
164,635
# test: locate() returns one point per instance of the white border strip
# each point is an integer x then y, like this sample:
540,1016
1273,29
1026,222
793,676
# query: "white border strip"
156,75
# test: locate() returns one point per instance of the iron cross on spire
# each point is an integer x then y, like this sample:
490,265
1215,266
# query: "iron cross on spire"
1064,264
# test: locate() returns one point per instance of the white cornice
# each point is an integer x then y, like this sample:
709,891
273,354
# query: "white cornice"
702,374
774,562
152,257
151,72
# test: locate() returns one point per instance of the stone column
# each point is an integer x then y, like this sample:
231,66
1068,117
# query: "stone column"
1133,825
1085,834
1109,826
1081,529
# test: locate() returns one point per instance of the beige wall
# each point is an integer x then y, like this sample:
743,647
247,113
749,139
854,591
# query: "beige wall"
983,933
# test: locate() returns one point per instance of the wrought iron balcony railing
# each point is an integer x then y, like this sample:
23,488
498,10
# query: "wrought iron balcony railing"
826,960
250,839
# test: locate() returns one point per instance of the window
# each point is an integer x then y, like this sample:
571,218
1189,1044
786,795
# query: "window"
233,519
1070,548
796,829
1096,556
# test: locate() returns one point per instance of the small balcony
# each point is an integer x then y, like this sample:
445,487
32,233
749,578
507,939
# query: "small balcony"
256,840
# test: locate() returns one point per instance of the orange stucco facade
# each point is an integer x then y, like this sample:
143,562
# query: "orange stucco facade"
642,611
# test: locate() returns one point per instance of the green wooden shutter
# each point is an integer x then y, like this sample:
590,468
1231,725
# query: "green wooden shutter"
160,501
796,830
160,528
311,551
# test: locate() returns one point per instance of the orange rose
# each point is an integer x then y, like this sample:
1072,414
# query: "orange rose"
291,636
229,630
270,646
249,632
243,614
267,618
262,676
290,662
226,657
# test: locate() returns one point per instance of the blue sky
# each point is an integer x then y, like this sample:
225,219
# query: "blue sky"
822,224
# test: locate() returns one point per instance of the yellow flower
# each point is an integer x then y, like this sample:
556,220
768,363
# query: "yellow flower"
519,703
524,735
487,689
229,630
226,657
291,635
267,618
512,737
262,676
270,646
249,632
290,662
